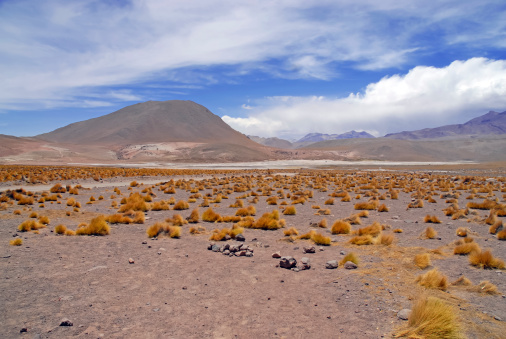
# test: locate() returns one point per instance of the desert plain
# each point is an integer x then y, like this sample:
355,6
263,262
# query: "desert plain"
150,270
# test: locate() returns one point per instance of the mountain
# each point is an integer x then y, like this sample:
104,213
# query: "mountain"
157,130
150,122
317,137
272,142
492,123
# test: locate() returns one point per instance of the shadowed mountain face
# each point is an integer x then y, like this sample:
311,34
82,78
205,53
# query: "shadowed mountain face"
490,123
150,122
272,142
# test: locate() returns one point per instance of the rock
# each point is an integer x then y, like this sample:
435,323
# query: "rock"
306,264
66,322
241,253
287,262
497,318
350,265
130,261
331,264
321,249
404,314
210,246
276,255
295,269
249,253
240,237
226,252
225,247
23,330
342,252
215,248
311,249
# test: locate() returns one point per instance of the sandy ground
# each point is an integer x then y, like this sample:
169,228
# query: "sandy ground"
177,288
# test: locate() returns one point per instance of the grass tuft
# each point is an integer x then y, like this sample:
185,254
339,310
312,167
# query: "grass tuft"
485,260
97,226
290,210
16,242
350,257
433,279
422,260
341,227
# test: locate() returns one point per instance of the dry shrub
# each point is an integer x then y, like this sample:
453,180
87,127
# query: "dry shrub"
134,202
501,235
272,201
197,230
29,225
383,208
16,212
324,212
416,204
374,229
353,219
134,184
176,220
397,230
60,229
194,216
431,219
466,248
246,222
433,279
44,220
362,240
269,221
231,218
118,218
462,281
323,223
422,260
386,239
210,215
315,207
244,212
71,202
346,198
181,205
329,201
163,228
349,257
220,235
341,227
430,233
58,188
97,226
462,232
485,205
486,287
307,236
369,205
431,318
320,239
485,260
161,205
492,218
497,227
26,201
290,210
238,204
139,217
291,231
16,242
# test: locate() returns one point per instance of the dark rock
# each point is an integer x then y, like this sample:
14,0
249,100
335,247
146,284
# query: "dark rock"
240,237
306,264
331,264
23,330
311,249
287,262
66,322
276,255
215,248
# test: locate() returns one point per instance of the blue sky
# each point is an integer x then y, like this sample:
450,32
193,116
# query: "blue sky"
268,68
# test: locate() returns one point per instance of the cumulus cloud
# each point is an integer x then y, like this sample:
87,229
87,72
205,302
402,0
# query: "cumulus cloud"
52,49
424,97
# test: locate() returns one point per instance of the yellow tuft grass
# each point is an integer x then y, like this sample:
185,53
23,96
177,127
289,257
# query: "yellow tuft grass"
194,216
433,279
501,235
430,233
485,260
431,219
485,205
362,240
462,281
197,230
44,220
383,208
329,201
462,232
60,229
386,239
486,287
290,210
374,229
16,242
29,225
97,226
269,221
466,248
323,223
244,212
398,230
181,205
134,202
497,227
291,231
349,257
422,260
431,318
369,205
210,215
320,239
341,227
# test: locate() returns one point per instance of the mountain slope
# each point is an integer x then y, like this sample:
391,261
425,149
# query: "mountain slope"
150,122
272,142
317,137
490,123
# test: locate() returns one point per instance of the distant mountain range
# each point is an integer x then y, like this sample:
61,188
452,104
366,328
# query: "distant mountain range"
184,131
492,123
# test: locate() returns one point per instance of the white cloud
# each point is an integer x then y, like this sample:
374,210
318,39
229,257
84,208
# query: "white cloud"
49,49
424,97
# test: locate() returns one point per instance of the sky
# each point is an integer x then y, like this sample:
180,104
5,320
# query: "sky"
268,68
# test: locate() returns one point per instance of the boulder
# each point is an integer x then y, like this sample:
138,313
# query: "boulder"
331,264
287,262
